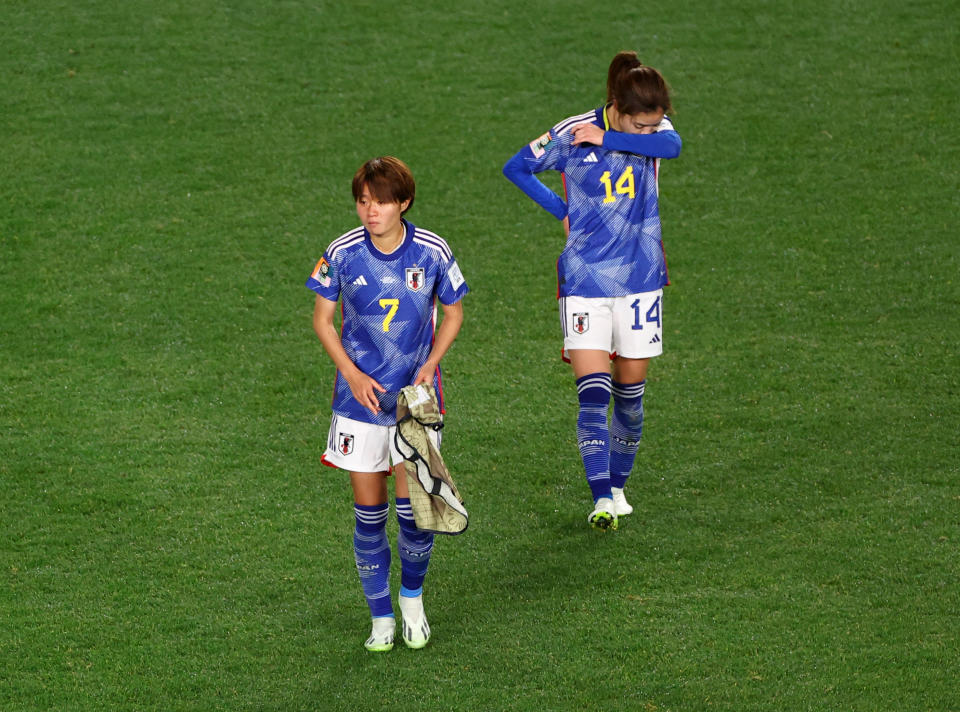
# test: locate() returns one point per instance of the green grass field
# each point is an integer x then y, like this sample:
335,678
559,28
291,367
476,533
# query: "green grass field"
168,538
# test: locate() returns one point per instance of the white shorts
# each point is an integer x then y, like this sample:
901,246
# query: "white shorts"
356,446
631,326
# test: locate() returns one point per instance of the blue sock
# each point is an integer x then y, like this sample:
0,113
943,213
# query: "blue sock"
626,427
372,552
593,392
414,547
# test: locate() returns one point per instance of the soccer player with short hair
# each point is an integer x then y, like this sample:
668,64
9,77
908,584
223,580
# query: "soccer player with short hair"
387,275
612,270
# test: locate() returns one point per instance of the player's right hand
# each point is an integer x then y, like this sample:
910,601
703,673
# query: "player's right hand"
364,389
587,133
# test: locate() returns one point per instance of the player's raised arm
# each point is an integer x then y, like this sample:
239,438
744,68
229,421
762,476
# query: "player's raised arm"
521,170
661,144
655,141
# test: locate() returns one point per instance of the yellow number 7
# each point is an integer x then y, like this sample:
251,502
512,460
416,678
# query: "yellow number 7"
394,304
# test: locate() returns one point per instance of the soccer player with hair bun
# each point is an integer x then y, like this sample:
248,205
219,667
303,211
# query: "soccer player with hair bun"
387,275
612,270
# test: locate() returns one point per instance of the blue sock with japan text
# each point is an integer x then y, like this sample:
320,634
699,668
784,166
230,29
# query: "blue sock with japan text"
414,547
593,392
372,552
626,428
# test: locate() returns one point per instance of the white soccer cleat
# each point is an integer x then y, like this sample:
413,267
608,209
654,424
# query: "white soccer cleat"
416,630
381,635
604,514
620,503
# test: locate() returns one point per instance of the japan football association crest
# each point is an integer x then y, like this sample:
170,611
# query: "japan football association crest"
581,322
344,443
414,278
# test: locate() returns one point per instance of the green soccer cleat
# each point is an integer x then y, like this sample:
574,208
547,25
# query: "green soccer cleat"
604,514
416,630
381,635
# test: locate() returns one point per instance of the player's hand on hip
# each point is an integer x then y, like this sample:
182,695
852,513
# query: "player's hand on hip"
587,133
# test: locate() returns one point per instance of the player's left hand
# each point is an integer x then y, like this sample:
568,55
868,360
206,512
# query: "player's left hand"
587,133
425,374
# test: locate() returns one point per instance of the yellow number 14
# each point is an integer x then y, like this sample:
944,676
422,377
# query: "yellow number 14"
624,185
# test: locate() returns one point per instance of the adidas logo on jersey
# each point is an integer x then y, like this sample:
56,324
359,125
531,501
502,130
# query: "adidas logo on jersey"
592,158
655,339
360,281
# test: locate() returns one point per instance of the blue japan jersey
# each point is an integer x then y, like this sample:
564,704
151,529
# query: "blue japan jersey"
614,247
388,304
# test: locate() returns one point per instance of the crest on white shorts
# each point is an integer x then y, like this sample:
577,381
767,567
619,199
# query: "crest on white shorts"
345,443
414,278
581,322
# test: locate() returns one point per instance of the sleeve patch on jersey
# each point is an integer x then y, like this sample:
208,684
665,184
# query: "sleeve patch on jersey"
321,272
455,276
540,146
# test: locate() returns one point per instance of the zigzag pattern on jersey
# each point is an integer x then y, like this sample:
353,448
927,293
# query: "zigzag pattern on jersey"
391,356
394,354
597,252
